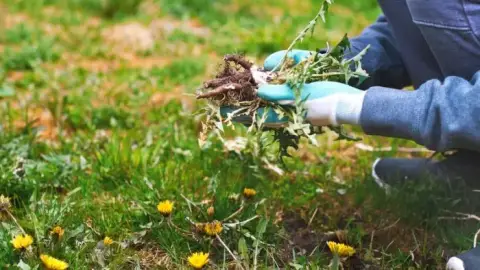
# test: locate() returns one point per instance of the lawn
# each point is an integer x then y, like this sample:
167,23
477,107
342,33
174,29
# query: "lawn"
99,125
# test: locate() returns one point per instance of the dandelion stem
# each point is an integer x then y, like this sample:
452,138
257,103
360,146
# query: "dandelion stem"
239,210
241,223
461,216
229,251
475,239
326,74
335,263
190,220
190,202
255,259
15,221
300,36
170,222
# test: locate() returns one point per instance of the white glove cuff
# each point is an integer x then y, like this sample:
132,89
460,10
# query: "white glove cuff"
348,109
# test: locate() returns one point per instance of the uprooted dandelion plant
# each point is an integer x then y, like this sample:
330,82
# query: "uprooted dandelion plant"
235,86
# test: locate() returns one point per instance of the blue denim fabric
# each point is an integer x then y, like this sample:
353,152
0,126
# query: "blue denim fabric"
433,45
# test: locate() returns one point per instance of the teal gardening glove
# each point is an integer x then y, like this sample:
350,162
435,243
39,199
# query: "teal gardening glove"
327,103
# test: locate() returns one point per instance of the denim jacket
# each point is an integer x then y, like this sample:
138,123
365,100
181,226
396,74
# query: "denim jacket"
433,45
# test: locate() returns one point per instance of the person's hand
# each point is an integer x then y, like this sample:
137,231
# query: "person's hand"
274,59
327,103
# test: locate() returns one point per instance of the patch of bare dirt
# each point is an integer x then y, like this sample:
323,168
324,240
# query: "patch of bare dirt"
307,232
51,11
53,29
149,8
43,120
166,26
180,49
129,36
15,75
129,60
12,19
304,238
163,98
146,62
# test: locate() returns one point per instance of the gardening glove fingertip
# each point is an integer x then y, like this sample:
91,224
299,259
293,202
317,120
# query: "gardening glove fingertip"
281,93
274,59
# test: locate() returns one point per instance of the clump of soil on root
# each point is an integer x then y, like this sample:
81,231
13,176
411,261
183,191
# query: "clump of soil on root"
233,84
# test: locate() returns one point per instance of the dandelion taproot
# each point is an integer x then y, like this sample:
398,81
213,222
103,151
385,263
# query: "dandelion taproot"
249,192
57,230
22,241
198,260
213,228
165,208
341,250
52,263
107,241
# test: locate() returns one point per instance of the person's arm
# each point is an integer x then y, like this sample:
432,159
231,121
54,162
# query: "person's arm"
383,61
439,115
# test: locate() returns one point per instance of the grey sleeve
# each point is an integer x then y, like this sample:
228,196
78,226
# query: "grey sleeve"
383,61
439,115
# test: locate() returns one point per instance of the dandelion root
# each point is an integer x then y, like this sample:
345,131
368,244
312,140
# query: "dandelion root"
234,83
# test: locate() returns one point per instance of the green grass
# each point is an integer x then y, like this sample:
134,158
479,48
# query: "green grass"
27,56
92,139
20,33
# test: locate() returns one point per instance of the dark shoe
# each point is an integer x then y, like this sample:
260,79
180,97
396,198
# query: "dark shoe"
463,166
469,260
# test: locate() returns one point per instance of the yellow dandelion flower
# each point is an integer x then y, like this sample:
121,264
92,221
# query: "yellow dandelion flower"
198,260
211,211
249,192
22,241
107,241
341,250
165,208
52,263
59,231
213,228
4,203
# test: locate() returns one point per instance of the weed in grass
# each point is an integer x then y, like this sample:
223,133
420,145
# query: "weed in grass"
109,117
30,55
113,8
235,87
20,33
